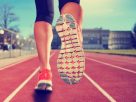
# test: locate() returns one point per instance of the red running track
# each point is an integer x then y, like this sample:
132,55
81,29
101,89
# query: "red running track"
103,81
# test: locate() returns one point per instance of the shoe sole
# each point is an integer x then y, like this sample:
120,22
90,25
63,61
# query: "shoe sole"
44,86
71,60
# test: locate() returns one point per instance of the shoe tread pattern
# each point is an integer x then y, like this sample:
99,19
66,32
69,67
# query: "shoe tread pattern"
71,60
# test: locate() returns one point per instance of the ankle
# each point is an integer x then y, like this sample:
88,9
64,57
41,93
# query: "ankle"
47,67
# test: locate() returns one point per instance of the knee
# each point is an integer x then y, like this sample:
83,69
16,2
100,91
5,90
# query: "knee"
46,16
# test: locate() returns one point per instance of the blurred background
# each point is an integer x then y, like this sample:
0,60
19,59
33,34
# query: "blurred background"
109,27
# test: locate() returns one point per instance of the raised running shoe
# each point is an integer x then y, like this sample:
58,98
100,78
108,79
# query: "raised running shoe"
44,80
71,59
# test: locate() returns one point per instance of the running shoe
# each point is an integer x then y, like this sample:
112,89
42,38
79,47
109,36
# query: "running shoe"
44,80
71,59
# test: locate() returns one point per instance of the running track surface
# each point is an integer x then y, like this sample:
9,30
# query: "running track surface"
107,78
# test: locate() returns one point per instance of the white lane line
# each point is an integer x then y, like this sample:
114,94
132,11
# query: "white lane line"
22,84
119,60
8,66
109,97
117,67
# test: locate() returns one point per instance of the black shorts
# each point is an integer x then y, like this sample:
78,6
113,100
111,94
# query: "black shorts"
45,9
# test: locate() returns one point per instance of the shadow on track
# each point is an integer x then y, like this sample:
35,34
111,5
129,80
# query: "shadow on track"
41,96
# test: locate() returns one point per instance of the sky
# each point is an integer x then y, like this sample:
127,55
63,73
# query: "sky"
108,14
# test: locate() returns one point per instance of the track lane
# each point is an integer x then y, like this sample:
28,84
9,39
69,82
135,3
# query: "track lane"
11,77
121,86
118,83
82,92
114,57
11,95
113,66
121,61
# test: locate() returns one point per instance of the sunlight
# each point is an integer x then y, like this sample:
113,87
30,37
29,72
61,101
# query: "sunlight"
97,7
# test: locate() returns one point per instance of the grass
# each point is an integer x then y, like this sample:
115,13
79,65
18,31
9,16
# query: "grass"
117,52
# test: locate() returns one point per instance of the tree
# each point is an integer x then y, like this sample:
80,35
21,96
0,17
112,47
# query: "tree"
8,22
134,35
134,29
8,17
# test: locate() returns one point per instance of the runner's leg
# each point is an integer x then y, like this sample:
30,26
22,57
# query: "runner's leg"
72,7
43,37
43,30
71,60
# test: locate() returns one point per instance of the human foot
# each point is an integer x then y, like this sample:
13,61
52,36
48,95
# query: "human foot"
44,80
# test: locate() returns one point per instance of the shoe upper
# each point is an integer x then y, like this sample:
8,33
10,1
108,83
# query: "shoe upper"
45,75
